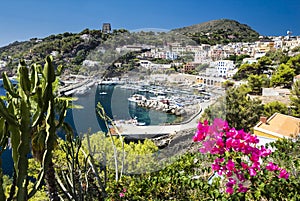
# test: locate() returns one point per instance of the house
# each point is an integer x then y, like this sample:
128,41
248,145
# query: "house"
189,67
145,63
223,66
278,126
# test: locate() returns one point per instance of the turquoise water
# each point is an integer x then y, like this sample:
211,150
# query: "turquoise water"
116,104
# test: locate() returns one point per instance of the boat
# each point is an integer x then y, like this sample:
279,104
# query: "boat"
137,98
103,93
141,123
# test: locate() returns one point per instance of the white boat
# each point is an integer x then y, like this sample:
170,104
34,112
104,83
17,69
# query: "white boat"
137,98
141,123
103,93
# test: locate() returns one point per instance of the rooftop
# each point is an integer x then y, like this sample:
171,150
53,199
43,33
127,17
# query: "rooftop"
279,126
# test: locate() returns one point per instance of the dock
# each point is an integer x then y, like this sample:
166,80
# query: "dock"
141,132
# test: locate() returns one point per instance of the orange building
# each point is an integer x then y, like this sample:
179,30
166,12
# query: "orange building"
278,126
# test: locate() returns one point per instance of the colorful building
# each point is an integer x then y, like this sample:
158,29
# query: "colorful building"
278,126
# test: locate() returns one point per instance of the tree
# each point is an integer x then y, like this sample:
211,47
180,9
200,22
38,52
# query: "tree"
278,56
245,70
241,111
237,108
283,76
295,99
273,107
255,83
294,63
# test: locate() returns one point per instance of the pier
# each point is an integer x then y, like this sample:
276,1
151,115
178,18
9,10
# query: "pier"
142,132
76,87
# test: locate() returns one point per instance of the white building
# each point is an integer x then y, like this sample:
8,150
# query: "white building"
145,63
223,66
2,64
249,60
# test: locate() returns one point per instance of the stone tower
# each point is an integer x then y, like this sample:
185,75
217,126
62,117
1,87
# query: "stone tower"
106,28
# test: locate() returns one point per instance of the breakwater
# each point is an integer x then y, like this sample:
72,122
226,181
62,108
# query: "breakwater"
162,105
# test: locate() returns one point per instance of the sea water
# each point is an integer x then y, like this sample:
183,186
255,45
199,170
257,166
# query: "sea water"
114,100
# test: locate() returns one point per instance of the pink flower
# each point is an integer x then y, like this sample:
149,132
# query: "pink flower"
252,172
254,157
283,174
265,152
230,133
230,165
242,189
229,190
271,166
241,177
122,195
220,142
229,143
229,173
244,165
215,167
235,143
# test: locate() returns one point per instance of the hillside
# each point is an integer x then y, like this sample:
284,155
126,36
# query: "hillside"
219,32
71,49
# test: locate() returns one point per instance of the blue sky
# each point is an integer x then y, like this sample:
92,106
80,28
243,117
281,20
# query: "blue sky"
24,19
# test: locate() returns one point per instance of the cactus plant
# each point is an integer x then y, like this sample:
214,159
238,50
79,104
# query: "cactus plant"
28,118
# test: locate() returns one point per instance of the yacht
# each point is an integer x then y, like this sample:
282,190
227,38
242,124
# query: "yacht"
137,98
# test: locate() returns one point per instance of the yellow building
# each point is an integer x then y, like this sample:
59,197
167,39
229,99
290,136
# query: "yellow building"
278,126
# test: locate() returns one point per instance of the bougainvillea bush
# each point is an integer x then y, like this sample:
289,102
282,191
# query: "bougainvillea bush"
242,170
238,159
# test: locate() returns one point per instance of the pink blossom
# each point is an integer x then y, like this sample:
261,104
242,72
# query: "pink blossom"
220,142
229,143
229,190
215,167
244,165
252,172
236,153
240,177
229,173
122,195
230,133
256,166
265,152
271,166
254,157
230,165
235,143
242,189
283,174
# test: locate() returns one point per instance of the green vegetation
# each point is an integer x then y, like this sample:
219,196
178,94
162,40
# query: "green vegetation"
295,99
31,114
68,48
221,31
236,108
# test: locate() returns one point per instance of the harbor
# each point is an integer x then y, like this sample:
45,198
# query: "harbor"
142,132
139,109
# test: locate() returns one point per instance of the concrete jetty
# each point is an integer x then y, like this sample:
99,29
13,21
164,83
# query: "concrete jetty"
141,132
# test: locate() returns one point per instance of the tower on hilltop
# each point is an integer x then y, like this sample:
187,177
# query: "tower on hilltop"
106,28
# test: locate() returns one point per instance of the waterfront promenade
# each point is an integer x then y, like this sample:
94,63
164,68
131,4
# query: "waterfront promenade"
154,130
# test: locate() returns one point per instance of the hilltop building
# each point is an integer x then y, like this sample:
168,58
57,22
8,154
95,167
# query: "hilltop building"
106,28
